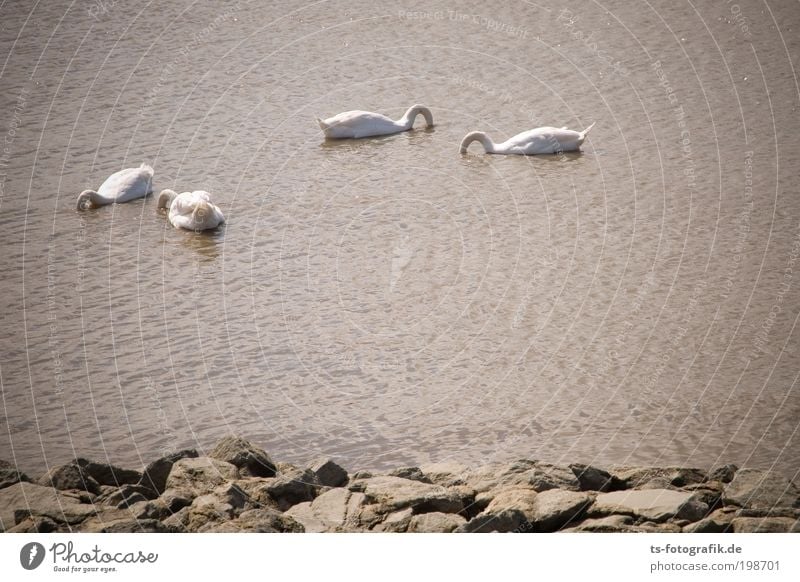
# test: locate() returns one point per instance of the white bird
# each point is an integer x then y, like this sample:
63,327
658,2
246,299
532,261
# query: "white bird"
190,210
122,186
356,124
542,140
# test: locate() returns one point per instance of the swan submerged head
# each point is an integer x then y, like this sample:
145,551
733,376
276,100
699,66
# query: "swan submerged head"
411,115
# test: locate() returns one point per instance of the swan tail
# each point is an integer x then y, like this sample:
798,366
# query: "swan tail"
147,168
322,125
586,131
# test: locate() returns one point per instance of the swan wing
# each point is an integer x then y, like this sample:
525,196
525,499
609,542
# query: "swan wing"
127,184
543,140
182,213
354,124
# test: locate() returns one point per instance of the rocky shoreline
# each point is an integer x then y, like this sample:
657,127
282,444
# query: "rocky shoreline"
239,488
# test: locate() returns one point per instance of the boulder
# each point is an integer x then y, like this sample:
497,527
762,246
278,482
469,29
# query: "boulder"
178,520
534,475
199,476
725,474
594,479
69,476
127,525
37,525
175,499
10,475
652,504
334,510
637,477
510,510
264,520
292,487
608,524
445,474
208,511
718,521
106,474
555,508
395,493
395,522
251,460
23,500
155,474
435,522
412,473
328,473
765,525
761,490
125,496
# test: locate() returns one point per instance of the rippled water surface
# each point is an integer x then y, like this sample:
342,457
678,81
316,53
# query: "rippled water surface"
388,301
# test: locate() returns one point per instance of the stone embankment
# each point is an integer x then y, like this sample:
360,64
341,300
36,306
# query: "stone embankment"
239,488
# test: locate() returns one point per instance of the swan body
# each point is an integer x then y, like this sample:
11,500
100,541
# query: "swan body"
356,124
542,140
122,186
190,210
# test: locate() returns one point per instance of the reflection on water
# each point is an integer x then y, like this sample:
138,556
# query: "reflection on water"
387,300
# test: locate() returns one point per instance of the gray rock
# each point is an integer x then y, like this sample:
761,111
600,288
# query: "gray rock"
175,499
10,475
435,522
38,525
534,475
709,493
652,504
395,493
178,520
328,473
155,474
201,475
765,525
725,474
125,496
510,510
110,475
555,508
412,473
263,520
129,525
69,476
292,487
23,500
251,460
206,512
445,474
594,479
718,521
761,490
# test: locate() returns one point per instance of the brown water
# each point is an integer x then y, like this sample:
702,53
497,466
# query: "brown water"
389,301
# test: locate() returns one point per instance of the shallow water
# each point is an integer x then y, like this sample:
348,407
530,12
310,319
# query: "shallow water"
388,301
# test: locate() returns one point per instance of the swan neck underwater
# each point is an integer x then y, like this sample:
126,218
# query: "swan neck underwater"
486,142
407,121
165,199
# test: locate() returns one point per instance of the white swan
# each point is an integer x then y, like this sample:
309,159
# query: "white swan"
355,124
190,210
122,186
542,140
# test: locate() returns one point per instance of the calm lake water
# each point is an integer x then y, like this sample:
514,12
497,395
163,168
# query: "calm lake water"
389,301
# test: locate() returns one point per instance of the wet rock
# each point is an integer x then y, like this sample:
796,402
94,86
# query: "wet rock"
264,520
636,477
110,475
725,473
9,475
293,487
328,473
69,476
594,479
555,508
652,504
201,475
412,473
435,522
761,489
251,460
23,500
510,510
765,525
155,474
395,493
